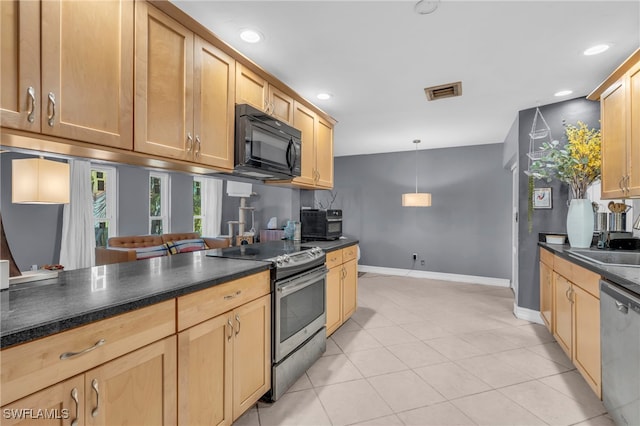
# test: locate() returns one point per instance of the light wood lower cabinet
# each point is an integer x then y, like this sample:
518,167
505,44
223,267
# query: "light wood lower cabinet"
342,287
224,363
575,317
138,388
546,288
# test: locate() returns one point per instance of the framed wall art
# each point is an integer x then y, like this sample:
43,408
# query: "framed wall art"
542,198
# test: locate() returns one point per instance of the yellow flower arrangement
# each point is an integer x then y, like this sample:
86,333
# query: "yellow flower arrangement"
577,163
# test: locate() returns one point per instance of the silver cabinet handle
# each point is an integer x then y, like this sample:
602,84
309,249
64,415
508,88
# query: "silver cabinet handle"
198,146
238,321
626,184
31,92
74,396
68,355
230,324
52,105
189,142
234,295
94,386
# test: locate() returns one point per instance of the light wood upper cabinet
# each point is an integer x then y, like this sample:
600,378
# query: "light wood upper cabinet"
20,65
164,84
254,90
83,87
184,93
214,108
317,149
619,99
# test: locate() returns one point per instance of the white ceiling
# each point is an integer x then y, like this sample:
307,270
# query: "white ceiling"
376,57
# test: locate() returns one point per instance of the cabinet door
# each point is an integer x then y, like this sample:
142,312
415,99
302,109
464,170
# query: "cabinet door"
62,404
546,292
633,165
138,388
20,65
586,335
87,71
164,83
214,86
305,120
250,88
280,105
251,353
614,135
349,289
562,313
324,155
334,299
205,368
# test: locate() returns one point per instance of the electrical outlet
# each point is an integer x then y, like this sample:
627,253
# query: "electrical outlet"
422,263
415,256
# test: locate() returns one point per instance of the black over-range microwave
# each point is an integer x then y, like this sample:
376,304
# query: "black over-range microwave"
265,148
321,224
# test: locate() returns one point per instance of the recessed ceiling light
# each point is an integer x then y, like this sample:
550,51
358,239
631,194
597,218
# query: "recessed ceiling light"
251,36
594,50
324,96
563,93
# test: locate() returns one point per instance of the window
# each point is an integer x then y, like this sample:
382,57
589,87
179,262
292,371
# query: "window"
158,203
103,189
197,205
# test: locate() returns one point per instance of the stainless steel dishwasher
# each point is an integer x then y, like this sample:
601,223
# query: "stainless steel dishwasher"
620,337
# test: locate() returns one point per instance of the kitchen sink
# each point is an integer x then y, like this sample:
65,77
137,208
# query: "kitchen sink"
611,258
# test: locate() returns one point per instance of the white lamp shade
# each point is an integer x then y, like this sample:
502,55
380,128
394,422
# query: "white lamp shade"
416,199
39,181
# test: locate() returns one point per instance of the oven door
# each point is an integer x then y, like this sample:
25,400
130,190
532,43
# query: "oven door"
299,310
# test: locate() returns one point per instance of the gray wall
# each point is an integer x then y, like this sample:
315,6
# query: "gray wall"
544,221
33,231
465,231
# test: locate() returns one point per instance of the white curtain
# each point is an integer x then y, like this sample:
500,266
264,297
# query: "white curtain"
77,249
211,207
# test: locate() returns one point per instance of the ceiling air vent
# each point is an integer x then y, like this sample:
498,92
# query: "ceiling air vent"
443,91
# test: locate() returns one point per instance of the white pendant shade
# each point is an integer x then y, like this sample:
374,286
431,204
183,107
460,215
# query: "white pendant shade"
416,199
39,181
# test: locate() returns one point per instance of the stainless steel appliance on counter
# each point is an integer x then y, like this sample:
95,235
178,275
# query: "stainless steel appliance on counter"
321,224
265,148
298,306
620,340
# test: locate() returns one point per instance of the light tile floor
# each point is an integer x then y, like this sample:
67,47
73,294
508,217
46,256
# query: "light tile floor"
427,352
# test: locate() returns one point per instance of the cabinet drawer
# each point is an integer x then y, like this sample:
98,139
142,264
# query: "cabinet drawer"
35,365
349,253
200,306
546,257
587,280
563,267
334,258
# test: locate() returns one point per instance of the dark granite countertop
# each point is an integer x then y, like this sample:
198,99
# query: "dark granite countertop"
333,245
33,310
625,276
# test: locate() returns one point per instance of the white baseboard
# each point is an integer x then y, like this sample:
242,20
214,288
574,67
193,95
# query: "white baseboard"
500,282
527,314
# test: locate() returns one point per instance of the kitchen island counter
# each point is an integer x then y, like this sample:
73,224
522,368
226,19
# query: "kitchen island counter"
33,310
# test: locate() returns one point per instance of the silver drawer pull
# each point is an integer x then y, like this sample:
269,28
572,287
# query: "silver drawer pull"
32,97
94,385
234,295
52,108
622,307
68,355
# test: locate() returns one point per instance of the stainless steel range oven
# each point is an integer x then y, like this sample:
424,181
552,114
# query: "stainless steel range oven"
299,307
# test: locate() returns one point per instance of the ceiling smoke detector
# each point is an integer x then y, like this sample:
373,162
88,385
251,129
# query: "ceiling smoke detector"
424,7
443,91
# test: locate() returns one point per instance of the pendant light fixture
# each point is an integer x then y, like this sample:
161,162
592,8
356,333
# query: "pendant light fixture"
416,199
39,181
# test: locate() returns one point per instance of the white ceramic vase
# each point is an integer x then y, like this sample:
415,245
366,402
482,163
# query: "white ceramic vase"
580,223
